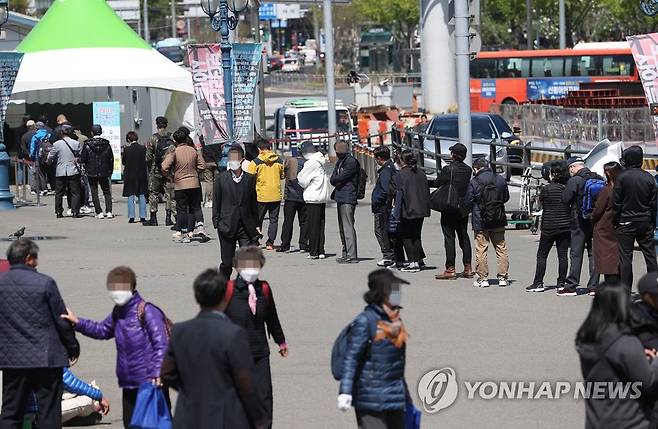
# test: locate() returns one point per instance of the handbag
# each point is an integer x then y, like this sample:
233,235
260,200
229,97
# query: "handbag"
151,410
445,198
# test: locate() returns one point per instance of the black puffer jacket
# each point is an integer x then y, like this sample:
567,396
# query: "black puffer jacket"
97,157
634,195
556,217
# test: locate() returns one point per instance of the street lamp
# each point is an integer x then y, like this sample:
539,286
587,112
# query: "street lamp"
221,21
6,197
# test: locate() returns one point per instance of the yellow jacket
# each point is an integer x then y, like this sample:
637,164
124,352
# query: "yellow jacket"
268,169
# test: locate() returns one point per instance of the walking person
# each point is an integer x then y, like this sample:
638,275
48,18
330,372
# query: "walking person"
98,161
268,169
604,241
140,332
555,228
381,203
158,146
234,209
374,362
65,154
610,354
182,166
345,179
250,304
411,207
36,344
135,180
315,181
210,365
634,208
454,222
581,229
294,205
486,197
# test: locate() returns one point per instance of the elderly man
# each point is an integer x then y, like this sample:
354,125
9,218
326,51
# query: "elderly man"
66,154
35,342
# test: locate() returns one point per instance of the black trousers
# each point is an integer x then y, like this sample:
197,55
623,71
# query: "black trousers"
129,399
581,240
188,208
454,225
227,249
546,241
381,234
263,379
18,384
272,210
315,217
393,419
627,235
290,209
411,231
67,185
104,183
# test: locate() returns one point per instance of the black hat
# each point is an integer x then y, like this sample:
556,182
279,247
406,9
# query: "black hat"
459,149
308,147
648,284
574,160
96,130
383,277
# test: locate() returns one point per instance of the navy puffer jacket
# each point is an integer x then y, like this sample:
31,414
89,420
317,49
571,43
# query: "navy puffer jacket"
379,386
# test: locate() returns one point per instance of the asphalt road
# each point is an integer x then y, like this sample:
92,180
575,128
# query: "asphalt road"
499,334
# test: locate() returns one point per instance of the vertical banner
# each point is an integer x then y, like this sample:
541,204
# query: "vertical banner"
645,53
246,60
9,65
107,114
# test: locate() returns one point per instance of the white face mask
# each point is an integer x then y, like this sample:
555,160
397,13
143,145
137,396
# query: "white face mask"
307,156
234,165
249,275
120,297
395,298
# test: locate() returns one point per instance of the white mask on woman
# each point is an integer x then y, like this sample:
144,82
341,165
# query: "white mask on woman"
250,275
395,298
120,297
307,156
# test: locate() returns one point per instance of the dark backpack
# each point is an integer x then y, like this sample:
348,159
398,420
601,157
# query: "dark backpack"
340,345
591,190
362,181
161,147
141,310
445,199
230,288
492,208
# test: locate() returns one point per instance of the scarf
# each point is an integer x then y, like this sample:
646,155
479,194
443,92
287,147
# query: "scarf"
394,331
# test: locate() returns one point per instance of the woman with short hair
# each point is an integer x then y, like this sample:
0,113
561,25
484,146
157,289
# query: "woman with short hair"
135,181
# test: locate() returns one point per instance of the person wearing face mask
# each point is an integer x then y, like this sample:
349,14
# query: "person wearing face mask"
294,205
345,178
234,209
250,304
382,204
372,379
141,334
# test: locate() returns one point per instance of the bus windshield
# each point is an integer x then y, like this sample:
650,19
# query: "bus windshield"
319,120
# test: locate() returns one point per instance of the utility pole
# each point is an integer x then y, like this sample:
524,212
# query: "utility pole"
255,24
563,26
528,23
329,70
463,53
147,35
173,19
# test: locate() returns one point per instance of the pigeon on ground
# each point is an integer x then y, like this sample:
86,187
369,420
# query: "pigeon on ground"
18,234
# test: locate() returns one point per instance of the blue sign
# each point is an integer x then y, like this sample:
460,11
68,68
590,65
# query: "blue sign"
280,23
267,11
488,88
551,88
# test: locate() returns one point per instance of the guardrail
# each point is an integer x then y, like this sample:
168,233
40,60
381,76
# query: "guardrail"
317,81
22,172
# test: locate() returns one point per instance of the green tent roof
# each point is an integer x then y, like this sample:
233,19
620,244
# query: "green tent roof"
70,24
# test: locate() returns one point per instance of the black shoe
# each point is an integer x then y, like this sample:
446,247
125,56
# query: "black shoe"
347,260
131,220
77,216
153,221
142,221
59,215
175,228
282,249
567,291
539,287
168,221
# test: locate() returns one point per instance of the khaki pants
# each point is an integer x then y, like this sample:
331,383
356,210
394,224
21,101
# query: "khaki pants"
497,238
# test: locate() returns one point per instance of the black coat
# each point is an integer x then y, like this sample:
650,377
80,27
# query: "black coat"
32,333
97,157
573,195
381,193
345,178
415,194
472,199
461,175
634,197
556,217
293,190
135,181
209,363
234,204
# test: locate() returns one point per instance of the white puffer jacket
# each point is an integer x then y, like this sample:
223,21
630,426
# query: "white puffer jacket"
315,180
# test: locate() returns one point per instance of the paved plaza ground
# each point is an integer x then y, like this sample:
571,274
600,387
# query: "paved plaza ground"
499,334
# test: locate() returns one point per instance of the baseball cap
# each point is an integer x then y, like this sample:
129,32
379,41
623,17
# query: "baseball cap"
574,160
648,284
459,149
384,277
30,123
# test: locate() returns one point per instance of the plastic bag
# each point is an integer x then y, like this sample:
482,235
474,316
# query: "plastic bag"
151,410
412,416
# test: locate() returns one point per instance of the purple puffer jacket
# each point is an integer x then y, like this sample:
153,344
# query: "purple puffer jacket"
141,346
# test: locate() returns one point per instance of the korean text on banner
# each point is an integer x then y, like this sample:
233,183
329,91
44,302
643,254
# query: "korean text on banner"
246,60
9,65
645,53
107,114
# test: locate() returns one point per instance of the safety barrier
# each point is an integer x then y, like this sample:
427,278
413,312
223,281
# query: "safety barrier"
21,179
318,81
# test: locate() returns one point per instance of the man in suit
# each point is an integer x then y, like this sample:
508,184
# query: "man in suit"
234,209
210,365
35,343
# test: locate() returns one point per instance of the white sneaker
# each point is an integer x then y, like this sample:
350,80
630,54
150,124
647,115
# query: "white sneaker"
176,235
69,212
109,215
502,282
322,256
100,216
481,282
85,210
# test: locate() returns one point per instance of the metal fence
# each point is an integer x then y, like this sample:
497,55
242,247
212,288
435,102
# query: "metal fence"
317,81
558,127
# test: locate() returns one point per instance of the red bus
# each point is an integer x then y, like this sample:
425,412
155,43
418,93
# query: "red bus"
517,76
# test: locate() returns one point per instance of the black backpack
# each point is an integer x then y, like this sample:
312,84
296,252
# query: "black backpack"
161,147
362,181
492,208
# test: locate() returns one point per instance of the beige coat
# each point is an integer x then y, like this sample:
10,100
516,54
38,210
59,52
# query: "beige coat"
184,166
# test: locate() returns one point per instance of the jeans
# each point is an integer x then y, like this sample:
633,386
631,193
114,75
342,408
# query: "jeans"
627,235
272,210
290,209
382,235
315,217
104,183
188,209
497,238
546,242
581,240
142,206
410,231
347,231
67,185
451,225
86,192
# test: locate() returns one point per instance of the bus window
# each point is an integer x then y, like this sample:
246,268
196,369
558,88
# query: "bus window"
547,67
483,69
513,67
618,65
319,120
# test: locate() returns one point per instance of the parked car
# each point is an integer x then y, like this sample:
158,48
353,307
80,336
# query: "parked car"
290,65
484,127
